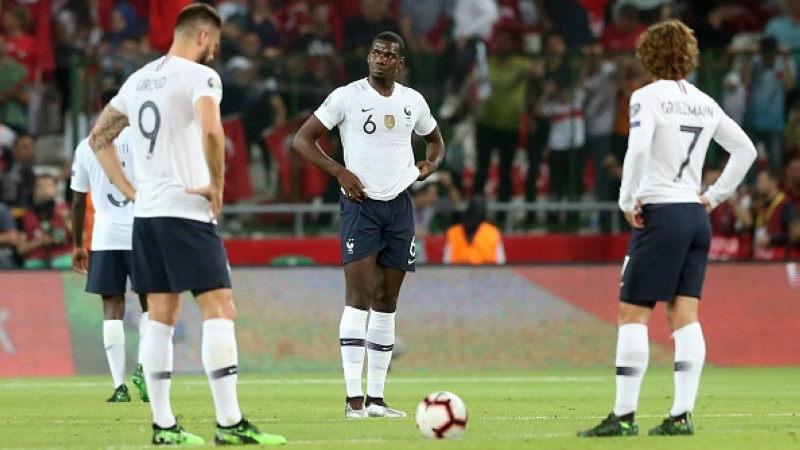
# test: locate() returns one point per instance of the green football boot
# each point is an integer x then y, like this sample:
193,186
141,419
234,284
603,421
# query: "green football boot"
245,433
120,395
141,385
612,426
674,426
175,435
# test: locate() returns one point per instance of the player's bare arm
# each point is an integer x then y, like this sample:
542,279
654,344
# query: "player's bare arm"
207,111
80,258
434,152
109,125
305,143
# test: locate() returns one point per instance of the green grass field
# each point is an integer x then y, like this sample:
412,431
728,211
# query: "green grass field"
737,409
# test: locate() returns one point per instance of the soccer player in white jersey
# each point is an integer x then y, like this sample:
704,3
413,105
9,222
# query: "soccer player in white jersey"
376,117
671,125
110,263
172,106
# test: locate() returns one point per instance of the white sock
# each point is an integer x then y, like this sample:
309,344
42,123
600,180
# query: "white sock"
142,330
352,336
690,353
114,343
157,362
380,343
633,354
220,360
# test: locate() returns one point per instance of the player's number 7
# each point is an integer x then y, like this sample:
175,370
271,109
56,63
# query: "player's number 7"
151,134
696,135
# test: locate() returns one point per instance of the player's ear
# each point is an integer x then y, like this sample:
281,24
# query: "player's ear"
402,62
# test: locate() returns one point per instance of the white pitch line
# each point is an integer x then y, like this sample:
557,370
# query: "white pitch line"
650,416
146,421
322,381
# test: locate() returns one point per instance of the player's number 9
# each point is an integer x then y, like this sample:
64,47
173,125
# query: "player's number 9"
152,133
369,125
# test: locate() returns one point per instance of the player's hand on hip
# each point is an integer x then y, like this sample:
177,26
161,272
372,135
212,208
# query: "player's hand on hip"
352,186
635,217
80,260
213,194
706,203
426,168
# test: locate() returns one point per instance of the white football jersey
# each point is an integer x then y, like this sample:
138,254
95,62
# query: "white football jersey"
113,213
159,101
376,134
671,125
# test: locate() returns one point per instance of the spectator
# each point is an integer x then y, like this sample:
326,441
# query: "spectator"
734,96
124,25
731,222
774,216
17,185
473,22
792,182
769,76
538,130
429,203
423,23
474,240
563,105
622,34
374,17
8,239
47,236
13,92
571,20
430,206
791,132
264,23
21,45
500,114
785,28
317,41
601,110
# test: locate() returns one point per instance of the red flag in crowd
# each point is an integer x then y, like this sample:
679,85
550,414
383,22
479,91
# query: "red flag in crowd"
163,14
237,174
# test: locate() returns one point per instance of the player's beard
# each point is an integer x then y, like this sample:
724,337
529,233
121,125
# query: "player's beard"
205,57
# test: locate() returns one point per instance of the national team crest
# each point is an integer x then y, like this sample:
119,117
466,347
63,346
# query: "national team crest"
388,120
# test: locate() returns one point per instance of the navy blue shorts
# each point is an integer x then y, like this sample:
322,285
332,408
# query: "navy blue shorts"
385,228
668,257
109,271
171,254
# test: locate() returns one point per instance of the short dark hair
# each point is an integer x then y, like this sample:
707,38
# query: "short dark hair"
197,13
388,36
107,95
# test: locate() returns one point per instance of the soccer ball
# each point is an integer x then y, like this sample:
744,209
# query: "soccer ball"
442,415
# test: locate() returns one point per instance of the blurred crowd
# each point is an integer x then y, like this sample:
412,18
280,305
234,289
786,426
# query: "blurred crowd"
532,96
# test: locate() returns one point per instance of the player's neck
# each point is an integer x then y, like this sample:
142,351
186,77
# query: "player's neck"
181,51
384,86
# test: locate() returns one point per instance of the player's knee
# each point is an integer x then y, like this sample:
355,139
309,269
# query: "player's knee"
631,314
113,307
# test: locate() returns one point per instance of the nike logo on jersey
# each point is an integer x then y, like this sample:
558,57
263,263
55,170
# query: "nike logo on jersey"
366,109
411,261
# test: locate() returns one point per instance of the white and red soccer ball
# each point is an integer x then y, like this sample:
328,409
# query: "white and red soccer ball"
442,415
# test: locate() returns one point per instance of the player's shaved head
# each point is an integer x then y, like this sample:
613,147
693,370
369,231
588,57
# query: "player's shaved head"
668,50
196,17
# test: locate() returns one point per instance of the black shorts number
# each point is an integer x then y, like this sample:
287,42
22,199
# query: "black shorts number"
150,134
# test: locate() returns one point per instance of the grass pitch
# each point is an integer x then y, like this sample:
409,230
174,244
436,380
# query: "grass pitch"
737,409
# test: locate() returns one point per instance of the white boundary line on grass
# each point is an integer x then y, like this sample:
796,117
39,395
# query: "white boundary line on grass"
285,381
145,421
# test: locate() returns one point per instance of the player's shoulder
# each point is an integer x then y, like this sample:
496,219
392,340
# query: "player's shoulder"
125,136
409,92
83,149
